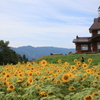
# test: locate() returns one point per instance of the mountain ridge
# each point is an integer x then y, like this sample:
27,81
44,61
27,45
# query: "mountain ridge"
36,52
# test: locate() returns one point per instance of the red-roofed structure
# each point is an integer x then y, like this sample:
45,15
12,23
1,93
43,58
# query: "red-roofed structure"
90,44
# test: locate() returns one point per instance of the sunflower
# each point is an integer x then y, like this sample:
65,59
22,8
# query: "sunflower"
95,94
71,74
32,68
79,66
38,73
30,73
89,60
88,97
93,70
43,62
20,75
85,75
66,77
10,87
29,64
59,82
78,63
58,70
54,75
30,80
88,71
7,76
73,67
19,81
43,94
75,60
85,66
97,77
66,64
42,67
59,61
71,88
6,82
4,72
18,63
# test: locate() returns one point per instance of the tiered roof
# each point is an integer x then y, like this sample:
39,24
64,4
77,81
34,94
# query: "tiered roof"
81,39
95,25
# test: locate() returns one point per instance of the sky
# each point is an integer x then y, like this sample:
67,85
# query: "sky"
46,22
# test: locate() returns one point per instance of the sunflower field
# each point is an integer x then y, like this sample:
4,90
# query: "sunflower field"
48,81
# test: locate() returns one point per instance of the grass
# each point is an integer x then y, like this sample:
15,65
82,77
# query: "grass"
70,58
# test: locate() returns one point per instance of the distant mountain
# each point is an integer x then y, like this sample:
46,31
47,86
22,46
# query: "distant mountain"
36,52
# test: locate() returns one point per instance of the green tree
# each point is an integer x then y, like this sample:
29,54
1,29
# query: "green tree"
7,55
24,58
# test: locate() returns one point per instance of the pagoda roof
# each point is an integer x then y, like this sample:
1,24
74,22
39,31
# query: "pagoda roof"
95,25
81,40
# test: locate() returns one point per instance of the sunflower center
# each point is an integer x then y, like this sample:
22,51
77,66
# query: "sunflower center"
89,98
66,77
11,87
7,76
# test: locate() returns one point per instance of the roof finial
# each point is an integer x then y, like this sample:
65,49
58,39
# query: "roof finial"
77,37
99,11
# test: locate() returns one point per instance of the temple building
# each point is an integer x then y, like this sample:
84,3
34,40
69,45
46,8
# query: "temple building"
90,44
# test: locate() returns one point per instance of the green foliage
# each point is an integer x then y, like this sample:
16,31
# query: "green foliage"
7,55
24,58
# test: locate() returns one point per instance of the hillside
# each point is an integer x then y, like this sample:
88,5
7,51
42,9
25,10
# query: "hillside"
36,52
70,58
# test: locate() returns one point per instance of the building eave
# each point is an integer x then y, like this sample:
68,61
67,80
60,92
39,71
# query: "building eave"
94,37
81,40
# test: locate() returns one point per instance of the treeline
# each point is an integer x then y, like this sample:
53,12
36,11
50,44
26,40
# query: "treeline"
9,56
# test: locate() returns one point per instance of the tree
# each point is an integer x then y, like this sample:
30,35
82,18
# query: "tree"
24,58
7,55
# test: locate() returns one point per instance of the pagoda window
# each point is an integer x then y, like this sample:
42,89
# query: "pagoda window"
98,31
99,20
84,47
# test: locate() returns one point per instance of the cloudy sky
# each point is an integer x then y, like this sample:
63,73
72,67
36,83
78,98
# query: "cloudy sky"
46,22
